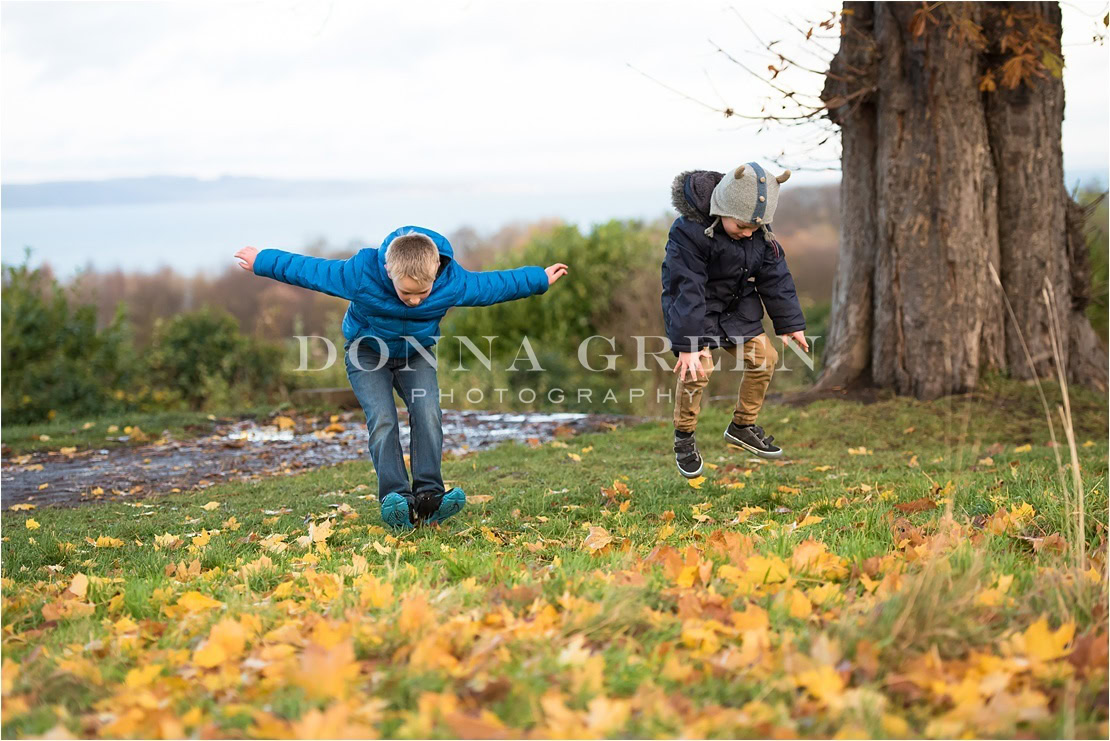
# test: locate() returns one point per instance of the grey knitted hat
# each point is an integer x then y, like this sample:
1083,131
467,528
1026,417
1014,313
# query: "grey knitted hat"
746,194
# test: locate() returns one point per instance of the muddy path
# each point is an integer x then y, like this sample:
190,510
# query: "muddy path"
245,450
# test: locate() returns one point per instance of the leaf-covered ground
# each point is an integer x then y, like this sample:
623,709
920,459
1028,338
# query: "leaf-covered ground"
908,572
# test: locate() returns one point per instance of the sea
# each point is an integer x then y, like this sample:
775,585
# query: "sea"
202,237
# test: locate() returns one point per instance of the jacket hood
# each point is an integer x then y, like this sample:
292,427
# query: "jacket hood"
446,252
691,191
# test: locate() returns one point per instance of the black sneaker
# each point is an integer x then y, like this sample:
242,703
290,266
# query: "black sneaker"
427,502
687,457
752,438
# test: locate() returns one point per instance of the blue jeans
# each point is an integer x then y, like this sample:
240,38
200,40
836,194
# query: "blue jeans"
415,380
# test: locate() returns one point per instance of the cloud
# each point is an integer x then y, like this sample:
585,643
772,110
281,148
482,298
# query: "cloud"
535,93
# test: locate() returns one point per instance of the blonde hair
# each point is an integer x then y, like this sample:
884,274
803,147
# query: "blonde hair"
412,256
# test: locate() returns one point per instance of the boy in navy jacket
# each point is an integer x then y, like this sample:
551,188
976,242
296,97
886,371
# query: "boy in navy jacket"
722,267
399,293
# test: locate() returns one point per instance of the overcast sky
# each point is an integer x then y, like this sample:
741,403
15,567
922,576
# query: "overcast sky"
532,96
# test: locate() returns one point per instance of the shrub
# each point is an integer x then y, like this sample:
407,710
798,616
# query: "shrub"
201,357
54,357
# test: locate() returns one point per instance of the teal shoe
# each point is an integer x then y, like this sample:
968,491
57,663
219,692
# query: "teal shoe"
449,504
396,513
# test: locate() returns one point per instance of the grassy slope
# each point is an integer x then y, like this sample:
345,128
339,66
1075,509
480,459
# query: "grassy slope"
505,617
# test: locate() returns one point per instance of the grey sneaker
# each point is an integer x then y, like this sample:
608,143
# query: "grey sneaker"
687,457
752,438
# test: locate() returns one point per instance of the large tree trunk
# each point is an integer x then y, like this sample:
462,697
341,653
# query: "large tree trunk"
941,180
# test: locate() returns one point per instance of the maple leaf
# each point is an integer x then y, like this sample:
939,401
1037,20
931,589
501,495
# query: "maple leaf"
812,557
79,586
994,596
619,490
373,591
824,683
327,672
210,506
67,608
745,514
167,541
824,593
917,505
320,532
696,483
30,524
197,602
798,604
597,539
1022,513
338,721
142,676
226,641
1043,644
806,522
104,541
486,725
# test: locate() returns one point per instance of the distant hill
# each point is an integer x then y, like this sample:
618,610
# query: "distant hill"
170,189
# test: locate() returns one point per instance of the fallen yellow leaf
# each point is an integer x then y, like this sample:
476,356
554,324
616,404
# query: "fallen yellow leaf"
196,602
597,539
79,586
1043,644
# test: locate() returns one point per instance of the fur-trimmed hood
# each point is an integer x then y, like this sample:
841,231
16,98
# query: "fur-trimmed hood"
690,193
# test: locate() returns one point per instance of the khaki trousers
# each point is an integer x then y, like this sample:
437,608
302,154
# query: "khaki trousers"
758,360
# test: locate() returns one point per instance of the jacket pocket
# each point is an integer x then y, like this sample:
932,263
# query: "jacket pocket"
750,308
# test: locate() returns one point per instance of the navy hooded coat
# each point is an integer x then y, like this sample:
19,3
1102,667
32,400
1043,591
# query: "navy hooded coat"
715,288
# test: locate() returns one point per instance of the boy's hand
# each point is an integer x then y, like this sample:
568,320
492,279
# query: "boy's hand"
689,363
246,257
799,337
555,272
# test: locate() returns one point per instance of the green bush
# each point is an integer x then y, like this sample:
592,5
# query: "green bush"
54,357
612,291
202,358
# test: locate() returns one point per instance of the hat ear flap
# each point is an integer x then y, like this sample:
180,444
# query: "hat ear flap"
739,172
783,177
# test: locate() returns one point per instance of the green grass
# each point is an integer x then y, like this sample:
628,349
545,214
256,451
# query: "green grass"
465,633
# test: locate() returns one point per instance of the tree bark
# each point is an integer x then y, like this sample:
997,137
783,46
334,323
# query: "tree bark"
941,180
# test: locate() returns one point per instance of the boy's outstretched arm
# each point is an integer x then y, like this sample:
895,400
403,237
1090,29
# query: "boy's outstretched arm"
494,286
334,277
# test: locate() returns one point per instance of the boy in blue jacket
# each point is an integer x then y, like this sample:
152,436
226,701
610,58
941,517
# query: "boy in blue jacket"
399,293
722,267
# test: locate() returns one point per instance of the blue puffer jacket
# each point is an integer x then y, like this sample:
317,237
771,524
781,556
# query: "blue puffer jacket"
377,311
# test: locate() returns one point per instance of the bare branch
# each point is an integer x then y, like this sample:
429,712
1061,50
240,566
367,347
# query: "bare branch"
785,93
769,46
726,112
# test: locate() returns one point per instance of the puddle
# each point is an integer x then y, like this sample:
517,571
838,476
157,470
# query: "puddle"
244,450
